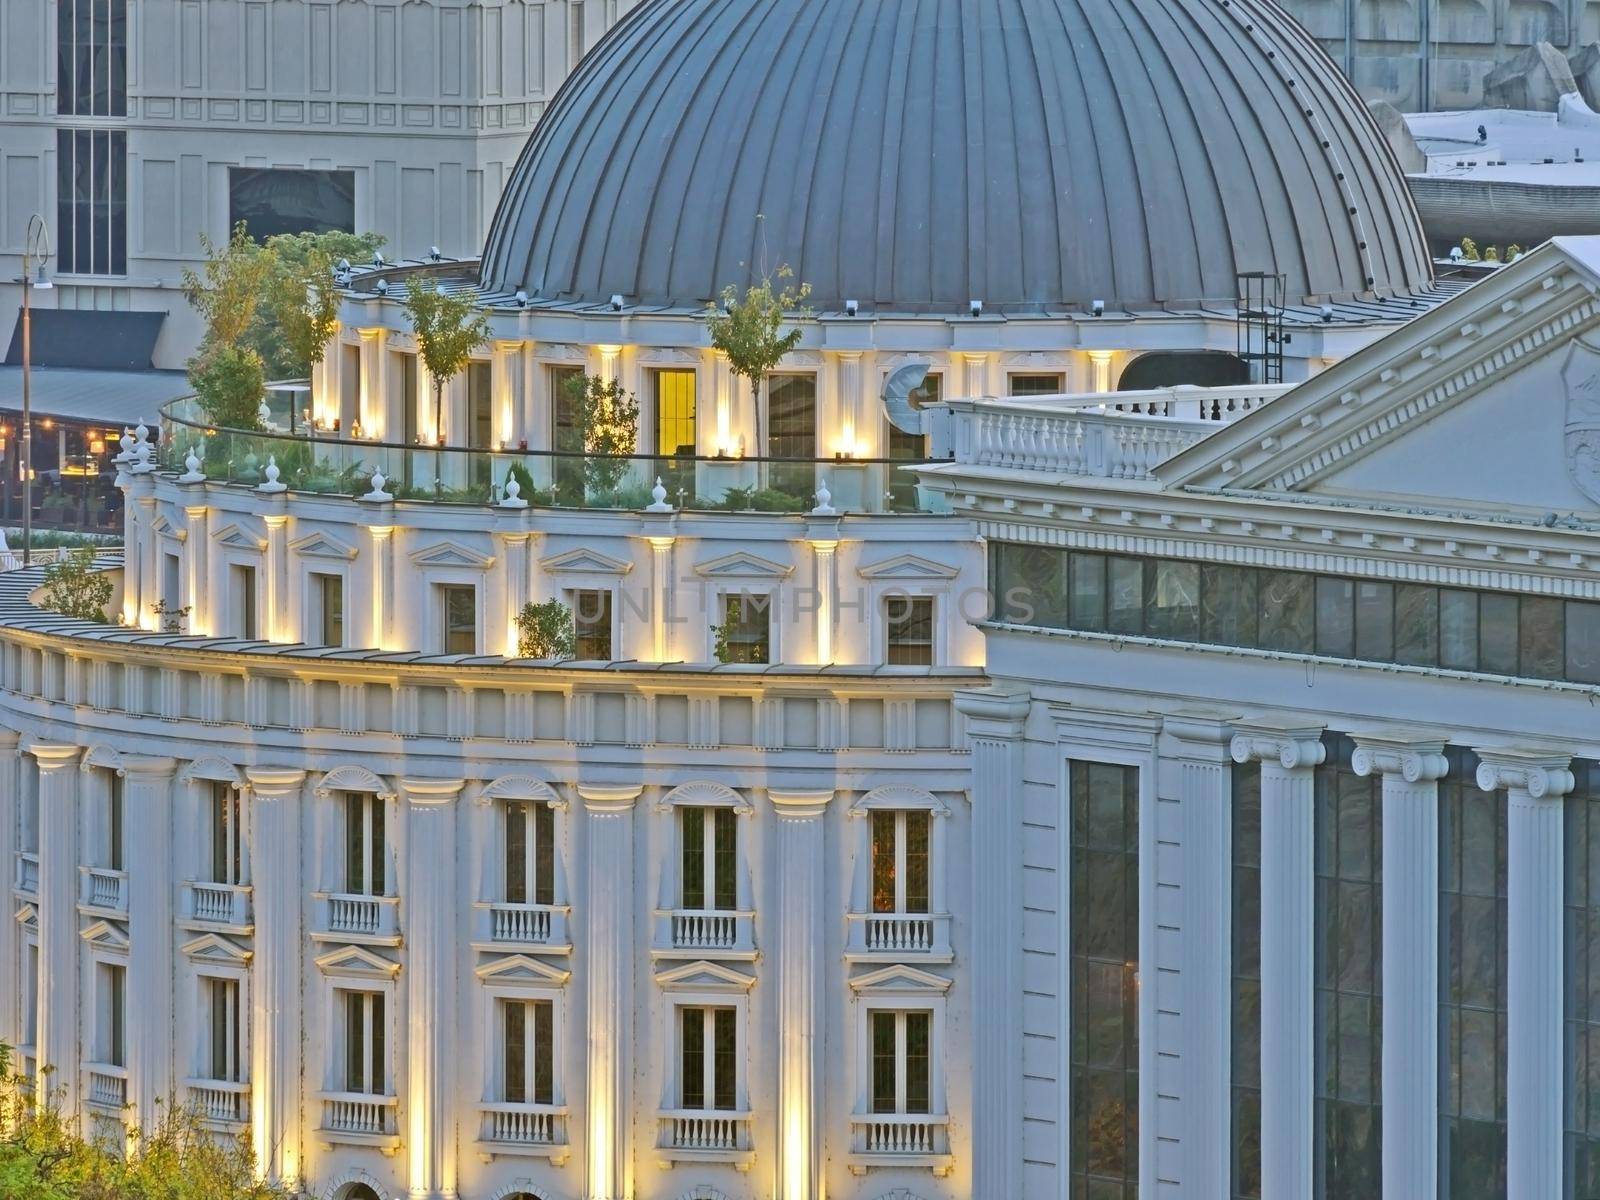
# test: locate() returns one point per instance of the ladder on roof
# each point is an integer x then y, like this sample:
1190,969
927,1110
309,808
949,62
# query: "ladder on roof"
1259,325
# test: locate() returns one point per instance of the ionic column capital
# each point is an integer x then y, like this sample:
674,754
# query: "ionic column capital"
274,783
1540,773
1293,747
799,805
53,756
605,799
1412,755
431,793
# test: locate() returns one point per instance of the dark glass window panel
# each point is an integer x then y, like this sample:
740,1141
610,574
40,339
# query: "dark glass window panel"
1375,621
460,606
883,861
884,1062
911,447
1031,585
1581,971
91,198
92,58
1088,574
792,434
1539,637
692,1062
276,200
1036,385
693,822
480,405
1125,595
1104,920
378,1078
355,857
1416,625
516,852
724,825
516,1050
1246,941
544,863
1228,605
1458,630
918,830
354,1041
909,629
591,620
1174,610
725,1068
747,625
1583,642
375,850
543,1052
1497,633
919,1060
1336,618
1286,619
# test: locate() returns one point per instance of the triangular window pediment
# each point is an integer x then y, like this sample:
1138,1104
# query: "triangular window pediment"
585,562
28,916
451,554
322,545
103,935
741,565
522,969
704,977
357,961
213,948
899,978
233,536
908,566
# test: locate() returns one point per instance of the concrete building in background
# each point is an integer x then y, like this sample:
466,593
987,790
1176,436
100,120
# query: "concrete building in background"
134,128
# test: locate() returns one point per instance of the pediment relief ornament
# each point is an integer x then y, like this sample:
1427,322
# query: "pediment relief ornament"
357,962
214,948
1581,377
322,545
584,561
451,554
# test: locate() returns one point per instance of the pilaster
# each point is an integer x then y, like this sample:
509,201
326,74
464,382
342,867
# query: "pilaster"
996,720
10,803
147,799
1411,765
1534,781
431,904
374,398
515,543
799,969
58,1007
660,591
276,796
382,585
609,909
1289,754
278,623
147,550
1196,771
824,544
195,548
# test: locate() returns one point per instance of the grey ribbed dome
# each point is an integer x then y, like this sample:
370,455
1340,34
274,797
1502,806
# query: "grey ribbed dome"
917,154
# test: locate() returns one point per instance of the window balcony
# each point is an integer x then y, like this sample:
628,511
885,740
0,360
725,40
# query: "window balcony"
342,917
359,1119
105,1085
500,925
220,1101
699,933
693,1135
900,1140
103,890
898,937
26,879
216,905
523,1129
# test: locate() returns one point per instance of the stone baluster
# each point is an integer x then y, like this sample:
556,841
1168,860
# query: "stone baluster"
1288,756
1534,782
151,886
996,720
609,910
1411,765
276,796
431,908
57,1046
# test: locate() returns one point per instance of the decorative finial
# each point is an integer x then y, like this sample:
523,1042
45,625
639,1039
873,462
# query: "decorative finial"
513,497
191,463
264,414
824,506
272,472
377,492
658,498
126,442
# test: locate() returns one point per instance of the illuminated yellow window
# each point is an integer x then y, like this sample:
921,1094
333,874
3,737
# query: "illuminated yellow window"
675,413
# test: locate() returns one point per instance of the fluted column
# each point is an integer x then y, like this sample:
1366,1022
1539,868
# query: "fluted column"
827,589
149,554
513,558
1534,781
660,591
58,921
276,796
382,584
277,627
374,397
609,909
996,719
799,970
195,547
1288,756
431,1043
849,403
11,1030
1196,772
147,799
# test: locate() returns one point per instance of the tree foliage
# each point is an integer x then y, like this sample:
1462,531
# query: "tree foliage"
449,328
545,630
74,588
228,296
300,315
44,1155
230,381
749,329
608,418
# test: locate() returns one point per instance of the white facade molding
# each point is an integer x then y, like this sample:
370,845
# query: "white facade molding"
520,787
350,777
897,796
584,562
705,793
742,565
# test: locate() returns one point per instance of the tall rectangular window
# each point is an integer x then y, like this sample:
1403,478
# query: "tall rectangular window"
1247,981
708,1065
114,833
410,403
113,1022
591,624
227,838
364,849
675,430
1105,979
480,406
908,622
910,447
900,856
92,58
902,1062
566,431
328,591
710,842
224,1058
92,201
1349,989
747,628
364,1038
1472,985
1581,971
458,613
242,580
792,434
577,43
530,852
528,1055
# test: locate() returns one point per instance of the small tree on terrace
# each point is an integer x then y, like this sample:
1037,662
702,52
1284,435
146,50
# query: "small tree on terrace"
448,328
608,417
226,372
748,329
302,303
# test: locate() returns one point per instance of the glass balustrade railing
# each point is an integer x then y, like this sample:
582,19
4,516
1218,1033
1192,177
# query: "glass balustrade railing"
325,462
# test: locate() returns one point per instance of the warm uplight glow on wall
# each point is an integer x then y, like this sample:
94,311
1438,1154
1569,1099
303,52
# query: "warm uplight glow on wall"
1101,361
601,1135
796,1166
608,362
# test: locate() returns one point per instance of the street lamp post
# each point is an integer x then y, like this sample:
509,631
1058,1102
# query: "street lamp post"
35,253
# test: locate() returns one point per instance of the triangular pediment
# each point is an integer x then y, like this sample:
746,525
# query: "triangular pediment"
900,978
584,561
232,535
357,961
522,969
1479,405
322,545
704,977
741,564
105,936
166,528
28,916
214,948
451,554
907,566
